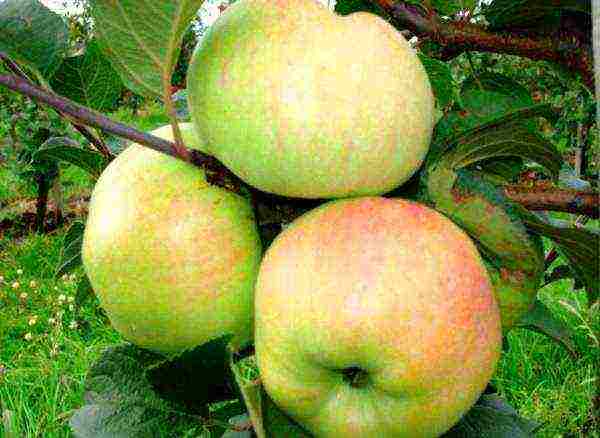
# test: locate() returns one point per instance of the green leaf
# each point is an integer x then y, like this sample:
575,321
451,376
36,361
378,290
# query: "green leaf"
451,7
499,170
70,254
514,259
498,83
121,401
505,140
580,247
541,319
484,98
492,417
268,420
458,145
89,79
346,7
442,82
142,38
196,377
84,290
33,34
61,148
531,14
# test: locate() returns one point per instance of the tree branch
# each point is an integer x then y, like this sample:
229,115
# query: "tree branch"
97,142
458,37
216,173
553,199
532,198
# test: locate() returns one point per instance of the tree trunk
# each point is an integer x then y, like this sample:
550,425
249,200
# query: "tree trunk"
42,202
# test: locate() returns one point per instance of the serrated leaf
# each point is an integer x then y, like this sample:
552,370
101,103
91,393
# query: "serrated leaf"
504,136
541,319
483,98
70,253
442,82
492,417
267,419
580,247
142,38
57,148
506,140
33,34
89,79
196,377
514,260
531,14
121,401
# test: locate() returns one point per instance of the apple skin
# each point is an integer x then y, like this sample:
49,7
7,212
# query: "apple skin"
387,286
172,259
301,102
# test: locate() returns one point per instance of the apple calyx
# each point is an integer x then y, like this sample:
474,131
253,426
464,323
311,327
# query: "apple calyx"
355,377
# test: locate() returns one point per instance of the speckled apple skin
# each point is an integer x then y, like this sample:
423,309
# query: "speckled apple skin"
172,259
301,102
386,285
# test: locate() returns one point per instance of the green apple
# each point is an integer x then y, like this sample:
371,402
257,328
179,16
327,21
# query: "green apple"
172,259
375,318
301,102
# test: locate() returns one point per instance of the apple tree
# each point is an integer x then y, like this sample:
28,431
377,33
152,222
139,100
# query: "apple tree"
492,166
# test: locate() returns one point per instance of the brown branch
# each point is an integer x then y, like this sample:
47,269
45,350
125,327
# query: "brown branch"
553,199
97,142
216,173
459,36
532,198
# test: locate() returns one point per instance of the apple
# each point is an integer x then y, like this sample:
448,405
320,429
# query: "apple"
172,259
375,317
298,101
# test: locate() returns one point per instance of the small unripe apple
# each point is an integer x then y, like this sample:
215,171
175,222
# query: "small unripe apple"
172,259
301,102
375,318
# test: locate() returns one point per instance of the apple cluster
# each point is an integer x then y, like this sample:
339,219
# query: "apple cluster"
370,316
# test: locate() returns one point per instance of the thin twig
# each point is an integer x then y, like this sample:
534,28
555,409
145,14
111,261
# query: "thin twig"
554,199
216,172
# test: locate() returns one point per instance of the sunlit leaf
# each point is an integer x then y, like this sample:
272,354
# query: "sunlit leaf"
33,34
440,77
89,79
142,38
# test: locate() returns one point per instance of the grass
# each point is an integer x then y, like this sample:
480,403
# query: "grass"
542,381
48,341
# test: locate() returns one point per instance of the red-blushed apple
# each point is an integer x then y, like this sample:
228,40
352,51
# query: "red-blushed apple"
172,259
301,102
375,317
